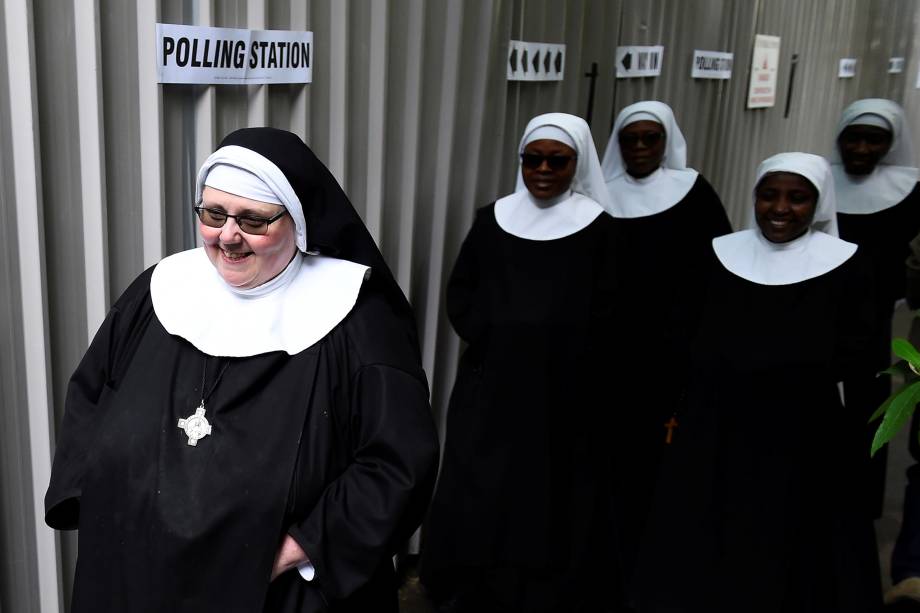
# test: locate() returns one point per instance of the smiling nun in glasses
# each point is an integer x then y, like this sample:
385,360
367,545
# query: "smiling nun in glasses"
757,508
250,428
517,498
665,216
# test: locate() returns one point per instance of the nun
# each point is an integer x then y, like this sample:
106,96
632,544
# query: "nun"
878,197
665,216
513,523
756,509
249,429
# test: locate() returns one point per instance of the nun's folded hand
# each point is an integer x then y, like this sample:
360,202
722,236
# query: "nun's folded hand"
289,555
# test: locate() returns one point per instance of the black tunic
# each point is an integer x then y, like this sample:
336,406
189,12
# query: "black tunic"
334,445
885,237
663,258
756,509
518,494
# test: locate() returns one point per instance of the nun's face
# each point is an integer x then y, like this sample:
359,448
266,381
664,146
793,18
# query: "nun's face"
247,260
784,205
642,145
547,167
863,147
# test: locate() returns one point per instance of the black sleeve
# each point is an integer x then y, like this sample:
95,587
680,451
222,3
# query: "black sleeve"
96,374
464,290
857,322
366,513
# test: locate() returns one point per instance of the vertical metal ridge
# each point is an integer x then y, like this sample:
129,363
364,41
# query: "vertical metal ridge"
376,116
92,161
150,103
26,165
338,88
444,157
410,134
257,114
299,110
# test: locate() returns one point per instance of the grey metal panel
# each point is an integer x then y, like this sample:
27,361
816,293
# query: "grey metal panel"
18,563
63,220
122,160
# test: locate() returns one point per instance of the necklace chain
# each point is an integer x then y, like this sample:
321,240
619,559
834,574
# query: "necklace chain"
204,371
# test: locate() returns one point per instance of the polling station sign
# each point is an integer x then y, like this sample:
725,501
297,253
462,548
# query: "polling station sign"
229,56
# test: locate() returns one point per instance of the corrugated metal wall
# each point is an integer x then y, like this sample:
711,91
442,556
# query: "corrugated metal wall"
409,108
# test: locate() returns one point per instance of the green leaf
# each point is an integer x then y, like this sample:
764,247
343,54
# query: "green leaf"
904,350
898,369
884,408
896,415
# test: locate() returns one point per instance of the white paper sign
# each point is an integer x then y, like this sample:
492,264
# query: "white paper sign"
712,65
847,68
639,61
764,68
896,65
529,61
228,56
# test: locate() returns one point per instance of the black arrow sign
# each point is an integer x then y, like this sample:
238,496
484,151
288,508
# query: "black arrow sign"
627,60
547,60
524,60
536,61
513,60
559,61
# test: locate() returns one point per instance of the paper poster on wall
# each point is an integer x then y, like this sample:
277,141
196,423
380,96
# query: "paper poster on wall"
639,61
230,56
764,68
896,65
529,61
847,68
712,65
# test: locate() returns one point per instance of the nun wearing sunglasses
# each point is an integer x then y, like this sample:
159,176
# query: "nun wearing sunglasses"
515,520
665,215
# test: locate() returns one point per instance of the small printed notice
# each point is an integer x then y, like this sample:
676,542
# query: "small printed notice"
896,65
847,68
228,56
764,68
639,61
528,61
712,65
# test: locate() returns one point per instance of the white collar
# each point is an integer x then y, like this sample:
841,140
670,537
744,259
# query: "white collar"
289,313
749,255
631,197
883,188
524,216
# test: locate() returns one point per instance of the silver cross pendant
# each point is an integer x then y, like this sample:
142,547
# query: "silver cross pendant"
196,426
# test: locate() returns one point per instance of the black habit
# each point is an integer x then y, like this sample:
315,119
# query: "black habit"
885,237
334,445
756,508
662,260
517,514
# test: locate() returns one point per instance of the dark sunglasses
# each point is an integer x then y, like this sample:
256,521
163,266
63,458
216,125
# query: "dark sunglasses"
533,161
649,139
872,138
250,224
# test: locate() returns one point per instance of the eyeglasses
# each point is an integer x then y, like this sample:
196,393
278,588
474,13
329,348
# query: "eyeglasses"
533,161
870,138
631,139
250,224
